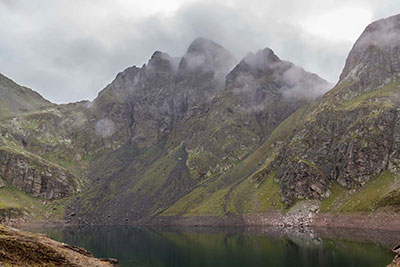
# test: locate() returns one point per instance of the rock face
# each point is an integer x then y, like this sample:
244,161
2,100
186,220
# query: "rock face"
375,58
36,176
352,134
143,105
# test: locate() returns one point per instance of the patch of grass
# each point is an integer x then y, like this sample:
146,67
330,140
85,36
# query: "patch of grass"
368,197
332,202
368,99
13,199
211,206
391,200
186,202
247,198
88,157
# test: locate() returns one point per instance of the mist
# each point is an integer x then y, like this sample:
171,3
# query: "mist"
265,71
69,51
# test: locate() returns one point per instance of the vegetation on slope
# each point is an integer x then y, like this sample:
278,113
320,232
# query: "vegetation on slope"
245,183
381,193
16,99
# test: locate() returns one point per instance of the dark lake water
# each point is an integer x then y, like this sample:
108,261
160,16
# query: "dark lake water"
231,247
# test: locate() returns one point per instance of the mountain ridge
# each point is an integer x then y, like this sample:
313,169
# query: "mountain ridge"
16,99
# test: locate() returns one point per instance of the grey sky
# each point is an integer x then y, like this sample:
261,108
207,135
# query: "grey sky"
69,50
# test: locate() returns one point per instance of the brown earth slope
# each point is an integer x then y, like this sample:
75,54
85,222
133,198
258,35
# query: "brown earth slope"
19,248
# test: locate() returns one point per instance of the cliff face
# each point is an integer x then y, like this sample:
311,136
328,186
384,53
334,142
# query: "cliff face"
36,176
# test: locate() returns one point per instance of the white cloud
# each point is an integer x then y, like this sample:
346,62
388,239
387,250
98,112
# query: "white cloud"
69,50
342,24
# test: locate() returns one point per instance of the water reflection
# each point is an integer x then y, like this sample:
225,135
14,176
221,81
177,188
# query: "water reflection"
140,246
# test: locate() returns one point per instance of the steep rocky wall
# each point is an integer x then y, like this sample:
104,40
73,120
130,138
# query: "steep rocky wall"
36,176
347,147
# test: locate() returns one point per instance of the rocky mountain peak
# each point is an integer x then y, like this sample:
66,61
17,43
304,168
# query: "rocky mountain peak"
279,76
260,64
202,45
204,55
161,62
262,60
375,58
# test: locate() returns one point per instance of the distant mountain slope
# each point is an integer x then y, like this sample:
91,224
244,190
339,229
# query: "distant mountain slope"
351,136
29,175
16,99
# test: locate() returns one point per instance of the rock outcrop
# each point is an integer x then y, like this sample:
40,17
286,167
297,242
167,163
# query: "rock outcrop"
36,176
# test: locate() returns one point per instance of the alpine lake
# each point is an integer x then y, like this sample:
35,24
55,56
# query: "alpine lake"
231,247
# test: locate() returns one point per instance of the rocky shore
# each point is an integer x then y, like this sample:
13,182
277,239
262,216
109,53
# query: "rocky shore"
396,262
376,221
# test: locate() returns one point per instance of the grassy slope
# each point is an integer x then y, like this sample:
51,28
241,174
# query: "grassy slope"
149,179
14,203
382,193
238,192
227,193
16,99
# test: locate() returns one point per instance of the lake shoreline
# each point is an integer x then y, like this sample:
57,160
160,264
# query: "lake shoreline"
376,221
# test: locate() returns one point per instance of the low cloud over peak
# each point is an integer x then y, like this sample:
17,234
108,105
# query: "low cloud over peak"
70,50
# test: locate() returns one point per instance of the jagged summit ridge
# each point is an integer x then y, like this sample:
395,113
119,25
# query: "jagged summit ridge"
162,62
289,79
261,60
204,55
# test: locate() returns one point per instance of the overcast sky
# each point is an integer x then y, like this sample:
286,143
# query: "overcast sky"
70,50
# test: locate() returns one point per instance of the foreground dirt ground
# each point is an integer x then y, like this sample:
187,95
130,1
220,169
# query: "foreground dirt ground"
18,248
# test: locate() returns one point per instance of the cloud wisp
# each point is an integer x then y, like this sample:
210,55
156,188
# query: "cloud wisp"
69,50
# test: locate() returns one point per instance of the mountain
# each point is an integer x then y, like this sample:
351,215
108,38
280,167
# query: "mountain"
16,99
349,139
207,139
178,125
